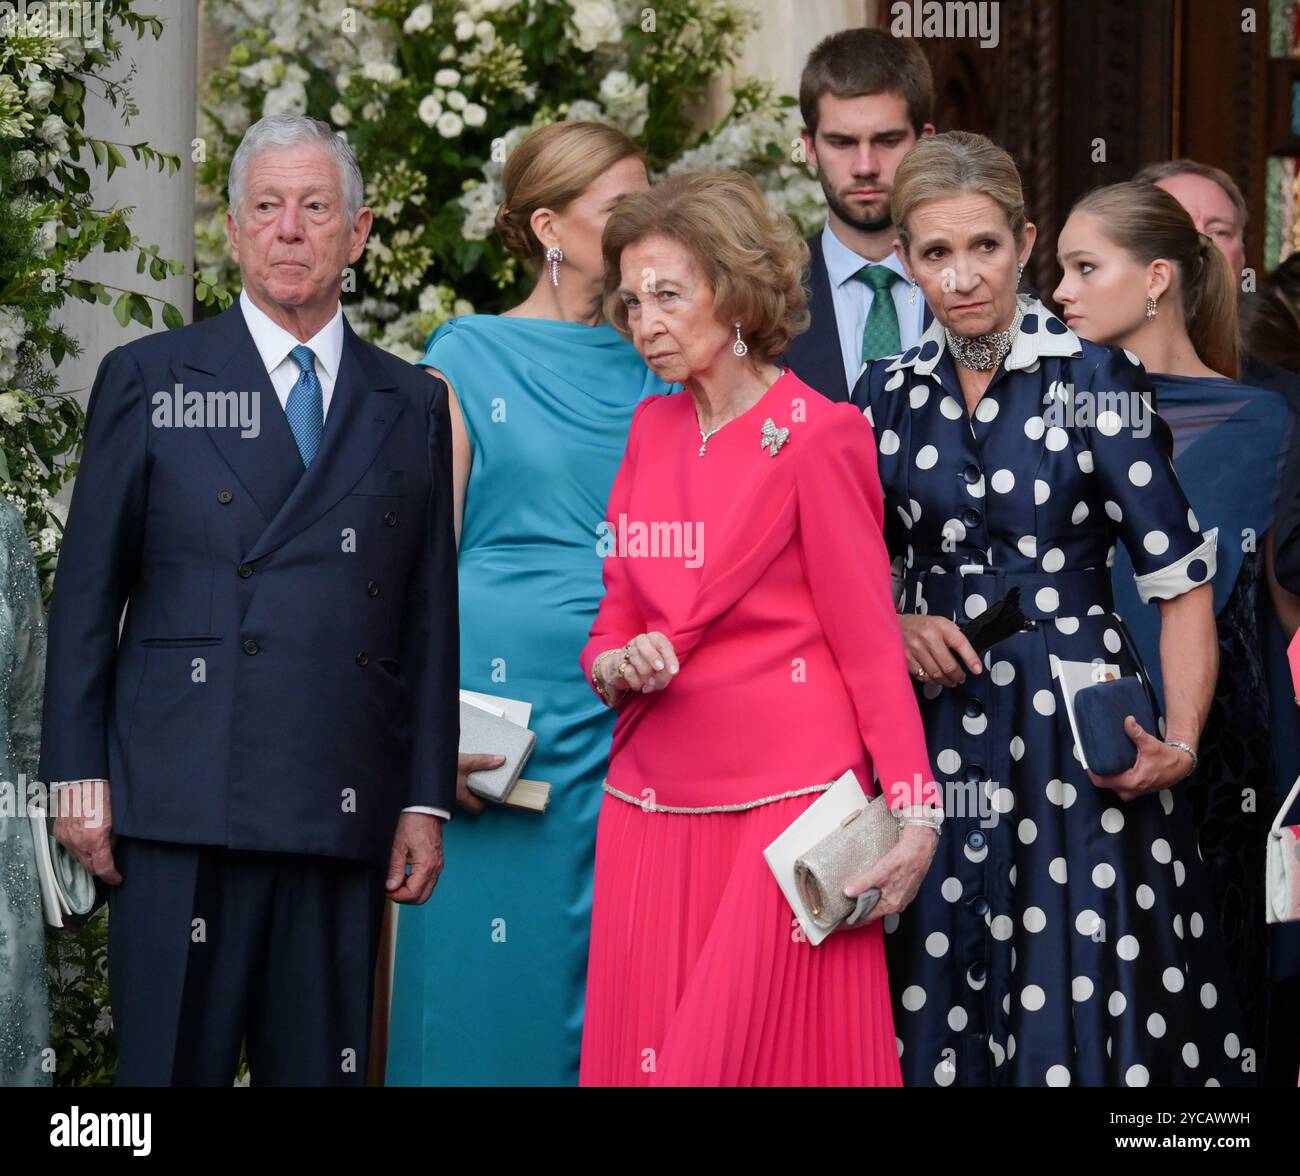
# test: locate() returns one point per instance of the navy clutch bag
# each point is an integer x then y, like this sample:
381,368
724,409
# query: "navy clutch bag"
1099,713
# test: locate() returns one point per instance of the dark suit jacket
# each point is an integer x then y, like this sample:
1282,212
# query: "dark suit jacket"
815,356
286,678
1286,524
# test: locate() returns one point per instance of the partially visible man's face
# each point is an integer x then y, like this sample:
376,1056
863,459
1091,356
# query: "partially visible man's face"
294,237
859,144
1214,213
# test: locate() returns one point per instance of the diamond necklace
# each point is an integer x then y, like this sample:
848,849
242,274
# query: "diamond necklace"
985,351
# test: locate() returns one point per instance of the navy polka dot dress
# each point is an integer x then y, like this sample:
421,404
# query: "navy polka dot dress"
1062,935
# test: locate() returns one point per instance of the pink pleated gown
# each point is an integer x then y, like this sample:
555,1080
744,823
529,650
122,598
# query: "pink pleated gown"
768,572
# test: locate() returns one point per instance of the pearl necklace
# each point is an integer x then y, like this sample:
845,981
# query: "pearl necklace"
985,351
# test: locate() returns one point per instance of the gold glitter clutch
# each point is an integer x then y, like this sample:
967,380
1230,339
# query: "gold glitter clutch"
860,841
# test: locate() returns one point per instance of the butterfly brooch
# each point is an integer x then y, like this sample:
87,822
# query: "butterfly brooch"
773,438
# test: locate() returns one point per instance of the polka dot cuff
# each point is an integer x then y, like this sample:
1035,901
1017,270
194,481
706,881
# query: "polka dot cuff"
1194,569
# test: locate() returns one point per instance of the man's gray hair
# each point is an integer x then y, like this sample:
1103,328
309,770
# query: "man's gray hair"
293,130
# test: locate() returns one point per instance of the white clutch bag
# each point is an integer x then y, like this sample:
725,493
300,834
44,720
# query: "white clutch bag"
70,893
1282,867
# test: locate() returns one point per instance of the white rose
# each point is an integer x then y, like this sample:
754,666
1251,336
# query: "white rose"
11,408
419,20
49,235
55,132
595,23
340,115
39,94
583,109
474,115
429,299
447,77
456,100
73,51
289,98
373,49
383,72
342,80
450,124
486,32
464,29
429,110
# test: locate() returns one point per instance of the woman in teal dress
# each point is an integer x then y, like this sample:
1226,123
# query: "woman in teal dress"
490,973
24,1010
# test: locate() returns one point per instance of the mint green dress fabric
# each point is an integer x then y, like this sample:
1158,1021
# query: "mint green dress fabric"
491,972
24,1003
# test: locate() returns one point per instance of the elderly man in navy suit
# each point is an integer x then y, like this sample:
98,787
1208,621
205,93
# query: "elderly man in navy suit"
865,97
268,749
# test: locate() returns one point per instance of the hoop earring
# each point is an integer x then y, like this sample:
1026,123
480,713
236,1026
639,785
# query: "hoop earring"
739,347
555,255
1152,308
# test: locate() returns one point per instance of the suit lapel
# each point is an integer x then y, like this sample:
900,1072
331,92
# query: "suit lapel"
825,361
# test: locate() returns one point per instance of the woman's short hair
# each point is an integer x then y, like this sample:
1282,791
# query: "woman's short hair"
550,168
752,258
956,163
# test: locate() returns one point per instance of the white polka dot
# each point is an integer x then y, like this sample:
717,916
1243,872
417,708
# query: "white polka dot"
1087,923
1156,1025
951,889
894,381
926,456
898,1041
1003,800
1058,1076
1058,871
1156,542
1180,873
950,408
1061,792
1085,461
1191,520
974,724
1045,702
1003,481
1027,545
1112,820
936,943
1054,560
1191,1055
1003,673
1081,988
1079,513
889,442
1047,599
1136,1075
1209,995
1127,948
1172,979
1001,927
1166,800
957,1018
1114,512
1133,359
1109,423
999,1054
948,761
945,1073
1032,997
1034,919
1110,639
1160,851
907,518
1017,747
1146,897
975,604
1057,439
1117,1004
1103,875
916,508
913,997
919,394
1042,491
1027,831
1035,427
986,410
976,489
1139,473
1178,926
1232,1045
1196,925
1067,625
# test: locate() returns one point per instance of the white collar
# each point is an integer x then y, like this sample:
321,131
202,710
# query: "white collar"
1041,333
842,263
274,343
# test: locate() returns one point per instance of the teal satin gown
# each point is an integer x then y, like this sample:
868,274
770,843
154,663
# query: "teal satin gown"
491,972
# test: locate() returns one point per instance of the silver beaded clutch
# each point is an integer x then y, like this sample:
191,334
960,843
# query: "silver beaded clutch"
860,841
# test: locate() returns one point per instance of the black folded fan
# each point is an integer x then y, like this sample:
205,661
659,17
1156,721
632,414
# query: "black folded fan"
1001,619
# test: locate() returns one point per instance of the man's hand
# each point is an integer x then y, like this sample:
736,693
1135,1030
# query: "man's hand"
417,843
83,821
465,764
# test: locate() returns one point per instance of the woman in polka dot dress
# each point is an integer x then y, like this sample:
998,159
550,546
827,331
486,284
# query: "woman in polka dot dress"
1062,934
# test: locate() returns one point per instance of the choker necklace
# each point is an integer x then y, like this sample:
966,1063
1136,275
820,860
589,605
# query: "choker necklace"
985,351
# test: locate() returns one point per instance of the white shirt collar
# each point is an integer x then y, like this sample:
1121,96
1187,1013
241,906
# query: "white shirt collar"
274,343
1041,333
842,263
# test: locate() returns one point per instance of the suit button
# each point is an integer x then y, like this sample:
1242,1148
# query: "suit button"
245,570
974,708
970,474
975,839
362,658
390,519
372,589
980,905
974,773
971,518
250,647
977,972
224,496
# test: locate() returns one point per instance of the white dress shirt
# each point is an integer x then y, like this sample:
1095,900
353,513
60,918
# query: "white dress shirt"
274,344
852,300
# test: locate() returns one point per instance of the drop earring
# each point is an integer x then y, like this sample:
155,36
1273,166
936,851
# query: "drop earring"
555,255
1153,308
911,294
739,347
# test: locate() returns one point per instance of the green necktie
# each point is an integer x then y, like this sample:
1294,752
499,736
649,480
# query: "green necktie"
880,334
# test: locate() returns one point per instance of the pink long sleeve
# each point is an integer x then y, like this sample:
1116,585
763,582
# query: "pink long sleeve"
841,517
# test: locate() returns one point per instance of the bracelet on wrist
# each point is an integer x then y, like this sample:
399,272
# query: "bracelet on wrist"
1187,747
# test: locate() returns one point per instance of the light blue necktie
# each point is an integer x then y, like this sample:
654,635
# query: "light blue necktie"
305,407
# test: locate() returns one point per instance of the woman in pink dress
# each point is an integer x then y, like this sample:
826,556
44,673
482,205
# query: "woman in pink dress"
749,641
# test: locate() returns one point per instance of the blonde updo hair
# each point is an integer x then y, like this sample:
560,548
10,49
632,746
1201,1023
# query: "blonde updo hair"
550,168
956,163
752,259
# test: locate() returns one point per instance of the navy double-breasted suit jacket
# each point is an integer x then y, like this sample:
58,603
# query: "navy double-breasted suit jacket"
286,676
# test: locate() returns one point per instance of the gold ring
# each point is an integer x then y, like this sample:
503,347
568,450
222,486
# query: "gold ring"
921,675
623,667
